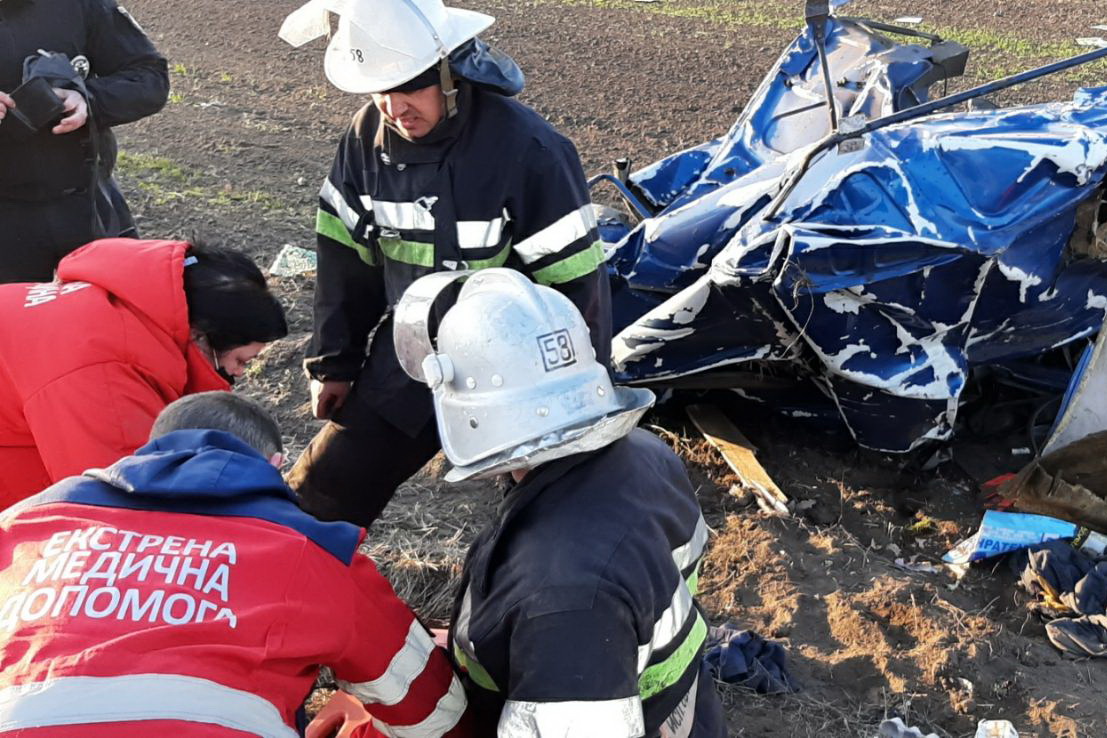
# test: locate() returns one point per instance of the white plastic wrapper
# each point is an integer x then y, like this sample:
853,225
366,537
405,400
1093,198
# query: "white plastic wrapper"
996,729
896,728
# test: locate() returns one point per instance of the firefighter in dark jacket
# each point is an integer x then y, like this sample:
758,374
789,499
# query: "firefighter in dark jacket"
442,171
56,187
576,614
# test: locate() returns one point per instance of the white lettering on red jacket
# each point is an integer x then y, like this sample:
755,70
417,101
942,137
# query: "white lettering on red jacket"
48,292
103,572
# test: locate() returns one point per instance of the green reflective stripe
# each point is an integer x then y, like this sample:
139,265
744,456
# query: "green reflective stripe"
409,252
569,268
422,254
660,677
693,579
476,672
496,261
333,228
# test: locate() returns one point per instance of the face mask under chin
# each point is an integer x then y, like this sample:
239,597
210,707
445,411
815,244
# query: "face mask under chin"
223,373
205,346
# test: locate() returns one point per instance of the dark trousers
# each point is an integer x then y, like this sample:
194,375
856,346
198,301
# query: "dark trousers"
352,467
34,236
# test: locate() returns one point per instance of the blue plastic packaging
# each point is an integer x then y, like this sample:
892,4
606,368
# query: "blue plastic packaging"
1002,532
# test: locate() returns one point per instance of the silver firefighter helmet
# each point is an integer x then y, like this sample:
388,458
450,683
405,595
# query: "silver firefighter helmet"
515,379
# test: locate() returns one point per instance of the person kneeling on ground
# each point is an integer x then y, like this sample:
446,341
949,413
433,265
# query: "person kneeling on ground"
88,361
576,614
181,591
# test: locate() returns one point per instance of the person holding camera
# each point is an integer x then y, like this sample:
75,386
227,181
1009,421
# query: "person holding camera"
69,71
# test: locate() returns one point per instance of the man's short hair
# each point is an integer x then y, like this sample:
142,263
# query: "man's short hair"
222,411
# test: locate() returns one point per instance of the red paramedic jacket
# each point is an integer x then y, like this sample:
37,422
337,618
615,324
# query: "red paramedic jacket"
88,361
181,592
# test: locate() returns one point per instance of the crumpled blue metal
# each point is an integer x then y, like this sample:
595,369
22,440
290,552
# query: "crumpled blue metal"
890,271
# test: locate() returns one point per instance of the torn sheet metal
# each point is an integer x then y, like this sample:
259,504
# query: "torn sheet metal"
1084,409
890,271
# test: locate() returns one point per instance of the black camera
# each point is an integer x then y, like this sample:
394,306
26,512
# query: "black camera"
36,104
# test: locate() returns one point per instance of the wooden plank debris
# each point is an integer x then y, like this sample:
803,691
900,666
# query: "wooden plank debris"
740,456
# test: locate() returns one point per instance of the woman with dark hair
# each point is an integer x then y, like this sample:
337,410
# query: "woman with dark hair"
231,313
87,361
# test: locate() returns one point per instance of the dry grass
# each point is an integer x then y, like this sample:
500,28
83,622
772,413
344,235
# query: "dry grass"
804,715
420,542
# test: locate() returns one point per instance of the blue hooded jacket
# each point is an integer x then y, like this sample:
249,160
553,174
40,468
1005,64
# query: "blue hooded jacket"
201,472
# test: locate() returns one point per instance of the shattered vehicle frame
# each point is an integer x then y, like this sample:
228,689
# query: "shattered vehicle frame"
868,254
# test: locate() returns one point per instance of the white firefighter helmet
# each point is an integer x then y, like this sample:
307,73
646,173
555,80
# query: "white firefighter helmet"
515,379
381,44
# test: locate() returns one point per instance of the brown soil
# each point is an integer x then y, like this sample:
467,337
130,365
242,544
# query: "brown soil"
251,132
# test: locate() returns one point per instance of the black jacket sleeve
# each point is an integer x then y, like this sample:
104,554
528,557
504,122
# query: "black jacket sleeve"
555,235
349,283
349,297
592,296
129,79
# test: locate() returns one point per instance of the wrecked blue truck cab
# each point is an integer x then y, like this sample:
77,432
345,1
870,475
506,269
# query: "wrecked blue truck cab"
874,273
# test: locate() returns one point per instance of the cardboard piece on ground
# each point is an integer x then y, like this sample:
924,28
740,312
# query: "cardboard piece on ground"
739,453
